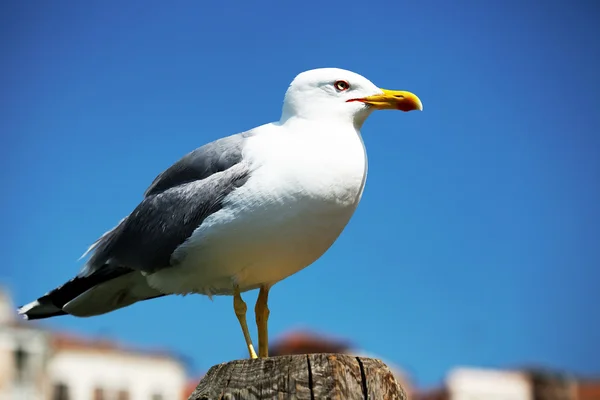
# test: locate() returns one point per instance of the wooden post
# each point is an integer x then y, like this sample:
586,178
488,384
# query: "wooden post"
300,377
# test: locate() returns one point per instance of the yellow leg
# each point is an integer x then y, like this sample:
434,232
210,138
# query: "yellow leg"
262,317
240,311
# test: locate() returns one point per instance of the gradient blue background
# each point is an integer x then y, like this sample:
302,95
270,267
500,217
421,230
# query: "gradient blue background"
477,241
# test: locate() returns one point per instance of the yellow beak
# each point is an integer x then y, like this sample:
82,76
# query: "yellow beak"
393,100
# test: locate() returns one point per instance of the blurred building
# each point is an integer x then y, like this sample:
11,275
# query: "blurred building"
471,384
519,384
550,385
24,354
588,389
38,364
101,370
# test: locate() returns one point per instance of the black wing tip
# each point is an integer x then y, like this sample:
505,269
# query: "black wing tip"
34,317
52,303
39,309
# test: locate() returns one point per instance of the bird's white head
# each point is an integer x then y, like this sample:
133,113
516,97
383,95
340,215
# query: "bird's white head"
341,95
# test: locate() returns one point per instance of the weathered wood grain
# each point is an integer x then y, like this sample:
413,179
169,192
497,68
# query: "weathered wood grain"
300,377
380,382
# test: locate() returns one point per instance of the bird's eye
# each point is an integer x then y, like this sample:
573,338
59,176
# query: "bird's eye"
341,85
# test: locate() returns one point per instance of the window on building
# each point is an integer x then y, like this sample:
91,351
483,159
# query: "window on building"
123,395
99,394
60,391
21,359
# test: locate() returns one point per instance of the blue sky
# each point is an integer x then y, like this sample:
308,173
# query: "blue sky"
477,240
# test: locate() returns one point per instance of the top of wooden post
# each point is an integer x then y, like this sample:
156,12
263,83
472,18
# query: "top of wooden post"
310,377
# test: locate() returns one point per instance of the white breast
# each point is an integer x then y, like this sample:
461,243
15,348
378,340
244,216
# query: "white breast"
301,194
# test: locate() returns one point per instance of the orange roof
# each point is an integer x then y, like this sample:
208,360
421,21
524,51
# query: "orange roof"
306,342
69,341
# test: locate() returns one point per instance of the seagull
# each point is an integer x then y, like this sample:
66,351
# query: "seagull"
240,213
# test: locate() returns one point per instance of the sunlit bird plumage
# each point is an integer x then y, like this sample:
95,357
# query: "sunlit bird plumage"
240,213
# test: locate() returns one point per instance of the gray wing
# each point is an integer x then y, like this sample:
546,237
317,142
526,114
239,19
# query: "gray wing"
201,163
174,205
